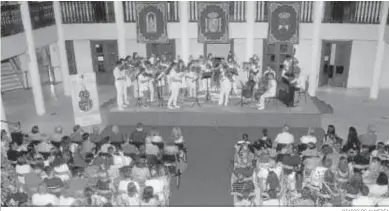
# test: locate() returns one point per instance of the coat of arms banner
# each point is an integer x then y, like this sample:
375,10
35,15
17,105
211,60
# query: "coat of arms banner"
152,22
284,22
213,22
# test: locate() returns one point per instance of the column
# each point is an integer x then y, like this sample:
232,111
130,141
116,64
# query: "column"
184,21
318,13
119,17
378,64
250,29
4,126
33,65
62,48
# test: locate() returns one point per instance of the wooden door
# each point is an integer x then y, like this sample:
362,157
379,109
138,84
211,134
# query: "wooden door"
159,49
69,45
274,56
325,66
342,64
104,58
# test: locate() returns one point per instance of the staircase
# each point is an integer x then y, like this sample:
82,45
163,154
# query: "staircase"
11,76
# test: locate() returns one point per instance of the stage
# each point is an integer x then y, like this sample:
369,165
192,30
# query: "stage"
210,114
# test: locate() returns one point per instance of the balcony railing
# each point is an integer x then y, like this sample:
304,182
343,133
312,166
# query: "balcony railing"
11,20
362,12
237,11
306,11
87,12
130,11
42,14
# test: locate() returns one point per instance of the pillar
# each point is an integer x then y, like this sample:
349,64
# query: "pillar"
4,126
33,63
318,13
119,17
184,21
379,59
62,48
250,29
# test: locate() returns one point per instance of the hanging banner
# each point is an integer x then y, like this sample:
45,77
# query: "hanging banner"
284,22
85,100
213,22
152,22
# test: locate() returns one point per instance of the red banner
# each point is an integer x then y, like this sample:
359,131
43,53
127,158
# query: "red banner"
152,22
284,22
213,22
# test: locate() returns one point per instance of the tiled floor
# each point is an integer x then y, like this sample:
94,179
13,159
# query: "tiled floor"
352,107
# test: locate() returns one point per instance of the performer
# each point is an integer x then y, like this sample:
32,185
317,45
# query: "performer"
206,67
288,75
234,66
191,80
175,85
121,85
271,91
226,84
148,81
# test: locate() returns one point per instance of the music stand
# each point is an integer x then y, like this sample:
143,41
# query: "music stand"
207,76
196,100
161,100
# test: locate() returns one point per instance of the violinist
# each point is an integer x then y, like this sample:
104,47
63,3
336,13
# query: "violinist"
175,77
148,81
233,66
121,86
226,84
191,79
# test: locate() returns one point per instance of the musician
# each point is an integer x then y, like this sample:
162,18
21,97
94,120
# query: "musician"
205,68
288,76
191,81
269,70
271,91
148,80
121,85
175,85
233,65
226,84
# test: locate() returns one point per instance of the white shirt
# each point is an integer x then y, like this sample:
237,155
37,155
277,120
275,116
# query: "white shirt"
124,184
158,187
284,138
300,82
308,139
66,201
118,74
44,199
363,201
272,87
22,170
271,203
377,190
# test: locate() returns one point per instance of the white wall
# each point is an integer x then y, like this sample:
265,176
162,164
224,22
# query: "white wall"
240,49
385,71
196,48
16,44
83,56
133,46
386,36
304,56
362,64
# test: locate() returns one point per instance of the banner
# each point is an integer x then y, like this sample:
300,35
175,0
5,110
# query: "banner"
151,22
85,100
213,22
284,22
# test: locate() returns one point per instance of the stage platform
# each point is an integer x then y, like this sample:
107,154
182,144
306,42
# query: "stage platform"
210,114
